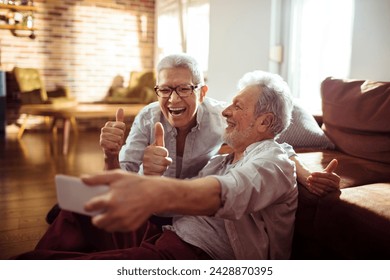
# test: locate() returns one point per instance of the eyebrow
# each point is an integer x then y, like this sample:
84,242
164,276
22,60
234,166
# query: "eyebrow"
237,101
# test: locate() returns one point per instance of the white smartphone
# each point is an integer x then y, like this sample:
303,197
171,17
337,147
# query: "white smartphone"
72,194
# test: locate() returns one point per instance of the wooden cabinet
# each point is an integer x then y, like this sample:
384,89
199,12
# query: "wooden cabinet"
25,19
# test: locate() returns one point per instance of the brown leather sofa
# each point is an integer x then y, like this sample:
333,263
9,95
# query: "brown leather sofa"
353,223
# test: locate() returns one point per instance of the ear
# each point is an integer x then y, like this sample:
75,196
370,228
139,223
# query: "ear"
265,122
202,94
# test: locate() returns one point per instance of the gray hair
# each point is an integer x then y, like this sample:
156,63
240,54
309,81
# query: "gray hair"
275,97
182,61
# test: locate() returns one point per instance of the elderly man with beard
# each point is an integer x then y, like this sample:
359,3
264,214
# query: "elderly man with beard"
241,206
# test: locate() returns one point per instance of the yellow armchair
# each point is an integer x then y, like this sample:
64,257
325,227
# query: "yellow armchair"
139,91
32,89
33,92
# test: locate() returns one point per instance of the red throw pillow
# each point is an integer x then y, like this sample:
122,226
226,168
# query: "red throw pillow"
356,115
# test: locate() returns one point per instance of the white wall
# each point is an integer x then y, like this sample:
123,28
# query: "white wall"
240,39
371,40
239,42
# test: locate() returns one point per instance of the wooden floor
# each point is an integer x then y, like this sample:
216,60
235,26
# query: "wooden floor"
27,191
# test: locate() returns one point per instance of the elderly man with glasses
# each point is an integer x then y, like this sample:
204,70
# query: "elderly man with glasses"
191,130
189,134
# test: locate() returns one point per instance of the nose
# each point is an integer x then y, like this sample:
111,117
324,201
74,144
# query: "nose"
227,112
174,96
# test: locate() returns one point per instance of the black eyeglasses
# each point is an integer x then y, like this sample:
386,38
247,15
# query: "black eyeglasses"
182,90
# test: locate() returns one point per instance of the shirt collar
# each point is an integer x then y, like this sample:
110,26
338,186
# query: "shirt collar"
167,126
199,116
228,159
259,144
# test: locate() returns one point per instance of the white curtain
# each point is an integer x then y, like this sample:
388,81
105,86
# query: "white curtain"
319,45
183,26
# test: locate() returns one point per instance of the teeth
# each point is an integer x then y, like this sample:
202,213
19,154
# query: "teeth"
176,111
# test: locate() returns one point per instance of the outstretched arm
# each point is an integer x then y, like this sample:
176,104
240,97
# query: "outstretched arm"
318,183
132,199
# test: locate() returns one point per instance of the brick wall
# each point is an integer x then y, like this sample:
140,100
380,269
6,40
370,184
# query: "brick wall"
84,44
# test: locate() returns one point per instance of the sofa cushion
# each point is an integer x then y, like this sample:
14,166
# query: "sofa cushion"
32,97
304,131
355,116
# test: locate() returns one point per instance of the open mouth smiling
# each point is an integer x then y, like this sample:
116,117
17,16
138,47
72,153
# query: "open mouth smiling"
177,111
230,124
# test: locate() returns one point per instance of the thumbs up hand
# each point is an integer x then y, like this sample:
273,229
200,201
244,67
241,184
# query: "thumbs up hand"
321,183
112,137
156,160
159,135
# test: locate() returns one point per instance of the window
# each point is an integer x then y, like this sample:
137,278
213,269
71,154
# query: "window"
319,45
183,26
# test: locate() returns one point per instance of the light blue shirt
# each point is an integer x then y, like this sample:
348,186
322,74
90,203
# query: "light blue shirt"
259,197
203,141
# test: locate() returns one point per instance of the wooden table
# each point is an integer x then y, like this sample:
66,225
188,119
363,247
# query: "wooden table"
69,113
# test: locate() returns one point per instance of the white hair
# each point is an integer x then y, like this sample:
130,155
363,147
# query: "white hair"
275,97
182,60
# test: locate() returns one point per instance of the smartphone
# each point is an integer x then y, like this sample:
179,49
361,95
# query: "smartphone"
72,194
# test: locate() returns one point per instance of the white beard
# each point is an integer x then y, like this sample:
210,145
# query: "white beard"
236,138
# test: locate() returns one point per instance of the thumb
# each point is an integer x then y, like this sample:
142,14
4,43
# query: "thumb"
159,135
120,115
332,166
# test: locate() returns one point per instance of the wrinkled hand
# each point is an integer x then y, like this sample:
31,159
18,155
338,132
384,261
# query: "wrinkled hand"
156,160
128,203
321,183
112,135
